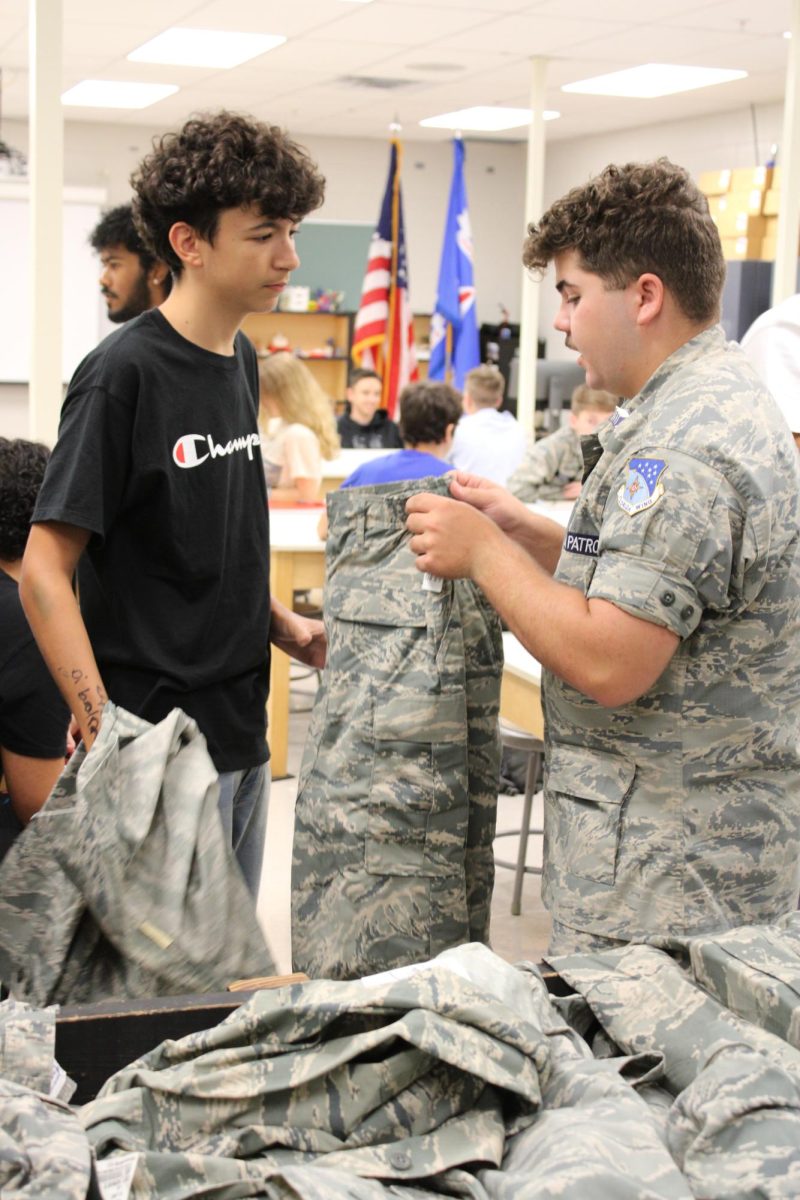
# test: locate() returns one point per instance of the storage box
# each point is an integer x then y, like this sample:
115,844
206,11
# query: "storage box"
751,201
745,178
714,183
734,224
772,202
741,248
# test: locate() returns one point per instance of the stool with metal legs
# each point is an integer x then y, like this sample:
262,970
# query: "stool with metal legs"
518,739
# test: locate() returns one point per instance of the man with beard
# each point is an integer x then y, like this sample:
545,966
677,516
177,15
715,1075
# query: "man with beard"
132,280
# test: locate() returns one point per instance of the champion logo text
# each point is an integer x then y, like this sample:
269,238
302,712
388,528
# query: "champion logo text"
192,449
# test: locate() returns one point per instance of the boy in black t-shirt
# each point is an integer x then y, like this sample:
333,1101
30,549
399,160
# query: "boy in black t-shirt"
155,490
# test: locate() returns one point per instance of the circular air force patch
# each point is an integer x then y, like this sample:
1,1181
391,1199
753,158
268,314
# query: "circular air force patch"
642,489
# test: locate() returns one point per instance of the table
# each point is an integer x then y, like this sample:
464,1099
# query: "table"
520,689
297,561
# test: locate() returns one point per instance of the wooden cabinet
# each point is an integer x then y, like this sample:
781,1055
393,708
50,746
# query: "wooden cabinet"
308,332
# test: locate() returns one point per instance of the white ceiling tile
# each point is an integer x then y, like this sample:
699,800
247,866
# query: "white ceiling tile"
532,35
411,25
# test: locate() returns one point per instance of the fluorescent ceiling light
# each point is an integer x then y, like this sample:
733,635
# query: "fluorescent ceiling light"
653,79
179,47
484,117
112,93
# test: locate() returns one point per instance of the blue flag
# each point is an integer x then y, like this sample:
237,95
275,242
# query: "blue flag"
454,329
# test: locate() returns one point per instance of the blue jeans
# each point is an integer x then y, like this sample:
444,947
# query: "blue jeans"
243,801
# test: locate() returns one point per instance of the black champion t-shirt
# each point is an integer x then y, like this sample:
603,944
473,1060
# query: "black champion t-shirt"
158,456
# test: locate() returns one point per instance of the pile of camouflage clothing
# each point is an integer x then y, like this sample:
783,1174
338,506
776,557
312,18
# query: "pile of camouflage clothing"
667,1073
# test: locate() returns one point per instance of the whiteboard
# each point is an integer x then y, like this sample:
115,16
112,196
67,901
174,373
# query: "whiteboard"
83,312
333,255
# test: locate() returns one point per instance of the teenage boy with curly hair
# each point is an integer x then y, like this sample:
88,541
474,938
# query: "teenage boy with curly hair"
668,617
155,490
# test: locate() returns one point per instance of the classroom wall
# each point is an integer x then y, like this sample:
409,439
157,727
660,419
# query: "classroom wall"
105,155
703,144
355,170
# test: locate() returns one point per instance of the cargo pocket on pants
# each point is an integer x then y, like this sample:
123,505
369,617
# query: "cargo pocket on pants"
418,801
586,791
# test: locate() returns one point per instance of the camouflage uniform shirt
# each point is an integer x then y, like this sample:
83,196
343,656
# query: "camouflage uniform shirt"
550,464
680,811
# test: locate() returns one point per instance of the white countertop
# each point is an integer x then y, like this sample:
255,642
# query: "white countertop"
518,661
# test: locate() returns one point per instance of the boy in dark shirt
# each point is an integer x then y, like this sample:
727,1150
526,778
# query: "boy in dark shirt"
364,425
155,490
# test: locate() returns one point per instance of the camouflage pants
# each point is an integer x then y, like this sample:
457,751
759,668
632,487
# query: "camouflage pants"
397,798
123,884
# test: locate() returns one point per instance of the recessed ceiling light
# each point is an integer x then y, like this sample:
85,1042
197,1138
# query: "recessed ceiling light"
205,47
787,33
113,93
486,118
653,79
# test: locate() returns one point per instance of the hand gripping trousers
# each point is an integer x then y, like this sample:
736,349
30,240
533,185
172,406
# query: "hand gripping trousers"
397,797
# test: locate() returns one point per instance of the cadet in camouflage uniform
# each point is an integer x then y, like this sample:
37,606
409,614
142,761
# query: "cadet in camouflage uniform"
670,633
397,797
552,468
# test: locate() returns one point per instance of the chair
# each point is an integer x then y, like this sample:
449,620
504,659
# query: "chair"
518,739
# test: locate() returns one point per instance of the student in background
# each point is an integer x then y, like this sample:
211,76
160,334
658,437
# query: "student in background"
487,442
429,413
364,425
155,489
132,280
553,466
298,428
33,716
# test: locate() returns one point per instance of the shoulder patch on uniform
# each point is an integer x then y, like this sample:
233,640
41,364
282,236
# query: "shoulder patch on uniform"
643,488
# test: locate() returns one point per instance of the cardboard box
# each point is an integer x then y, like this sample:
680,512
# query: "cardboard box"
772,202
735,224
768,247
741,248
751,201
714,183
745,178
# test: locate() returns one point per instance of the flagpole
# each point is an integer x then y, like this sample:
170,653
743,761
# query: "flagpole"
531,288
388,365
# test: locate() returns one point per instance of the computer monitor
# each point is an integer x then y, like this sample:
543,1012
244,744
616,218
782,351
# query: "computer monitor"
555,383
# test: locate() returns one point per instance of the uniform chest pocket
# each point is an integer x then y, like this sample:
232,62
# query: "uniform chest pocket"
586,793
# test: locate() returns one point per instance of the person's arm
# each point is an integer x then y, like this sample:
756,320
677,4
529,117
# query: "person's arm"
45,591
302,469
299,637
29,780
534,477
540,537
604,652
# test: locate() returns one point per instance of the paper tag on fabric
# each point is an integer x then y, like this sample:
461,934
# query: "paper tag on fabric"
61,1086
431,583
115,1176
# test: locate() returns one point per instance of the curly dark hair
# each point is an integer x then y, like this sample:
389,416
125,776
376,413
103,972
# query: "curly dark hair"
633,219
22,467
116,228
215,162
426,409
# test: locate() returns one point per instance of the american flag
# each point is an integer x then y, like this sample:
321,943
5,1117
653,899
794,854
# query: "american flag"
383,334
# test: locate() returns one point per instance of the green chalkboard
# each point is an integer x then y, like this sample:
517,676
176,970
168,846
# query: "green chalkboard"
333,255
